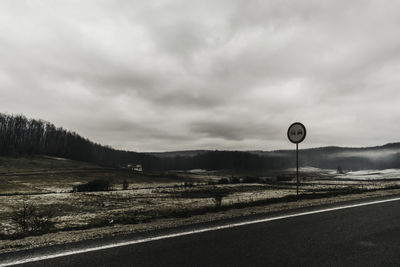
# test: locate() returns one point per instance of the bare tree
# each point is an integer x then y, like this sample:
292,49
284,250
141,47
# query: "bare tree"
22,216
29,218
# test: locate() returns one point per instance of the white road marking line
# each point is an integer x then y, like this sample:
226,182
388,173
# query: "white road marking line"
213,228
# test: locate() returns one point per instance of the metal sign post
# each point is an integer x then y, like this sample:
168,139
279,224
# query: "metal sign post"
296,134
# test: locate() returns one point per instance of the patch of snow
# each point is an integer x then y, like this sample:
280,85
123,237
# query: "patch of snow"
372,174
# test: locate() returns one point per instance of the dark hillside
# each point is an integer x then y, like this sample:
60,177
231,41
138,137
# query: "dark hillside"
20,136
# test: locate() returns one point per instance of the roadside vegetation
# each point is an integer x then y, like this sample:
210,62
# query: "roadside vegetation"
28,218
94,185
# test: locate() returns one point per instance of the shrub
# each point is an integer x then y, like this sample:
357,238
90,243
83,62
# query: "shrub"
234,180
95,185
218,200
125,185
252,180
188,184
28,218
223,181
339,170
284,178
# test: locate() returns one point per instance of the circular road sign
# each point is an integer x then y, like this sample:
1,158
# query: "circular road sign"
296,132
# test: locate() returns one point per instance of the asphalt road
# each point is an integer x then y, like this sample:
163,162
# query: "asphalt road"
360,236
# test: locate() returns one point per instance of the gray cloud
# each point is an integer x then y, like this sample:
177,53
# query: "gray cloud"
175,74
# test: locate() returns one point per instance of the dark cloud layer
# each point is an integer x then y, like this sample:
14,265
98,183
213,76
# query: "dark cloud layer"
225,74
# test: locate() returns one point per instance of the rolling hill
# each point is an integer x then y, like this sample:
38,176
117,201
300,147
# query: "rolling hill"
20,136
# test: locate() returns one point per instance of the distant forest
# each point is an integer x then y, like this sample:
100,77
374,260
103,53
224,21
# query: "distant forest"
20,136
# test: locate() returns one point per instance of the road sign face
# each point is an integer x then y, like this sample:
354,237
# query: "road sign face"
296,132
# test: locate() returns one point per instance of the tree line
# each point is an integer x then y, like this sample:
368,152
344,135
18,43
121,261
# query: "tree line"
22,136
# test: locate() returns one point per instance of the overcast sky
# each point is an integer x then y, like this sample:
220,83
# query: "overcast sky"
176,75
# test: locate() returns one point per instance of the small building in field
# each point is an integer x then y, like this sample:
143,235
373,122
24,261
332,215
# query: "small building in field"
137,168
134,167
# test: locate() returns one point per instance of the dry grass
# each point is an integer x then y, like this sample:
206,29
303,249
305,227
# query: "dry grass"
152,200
